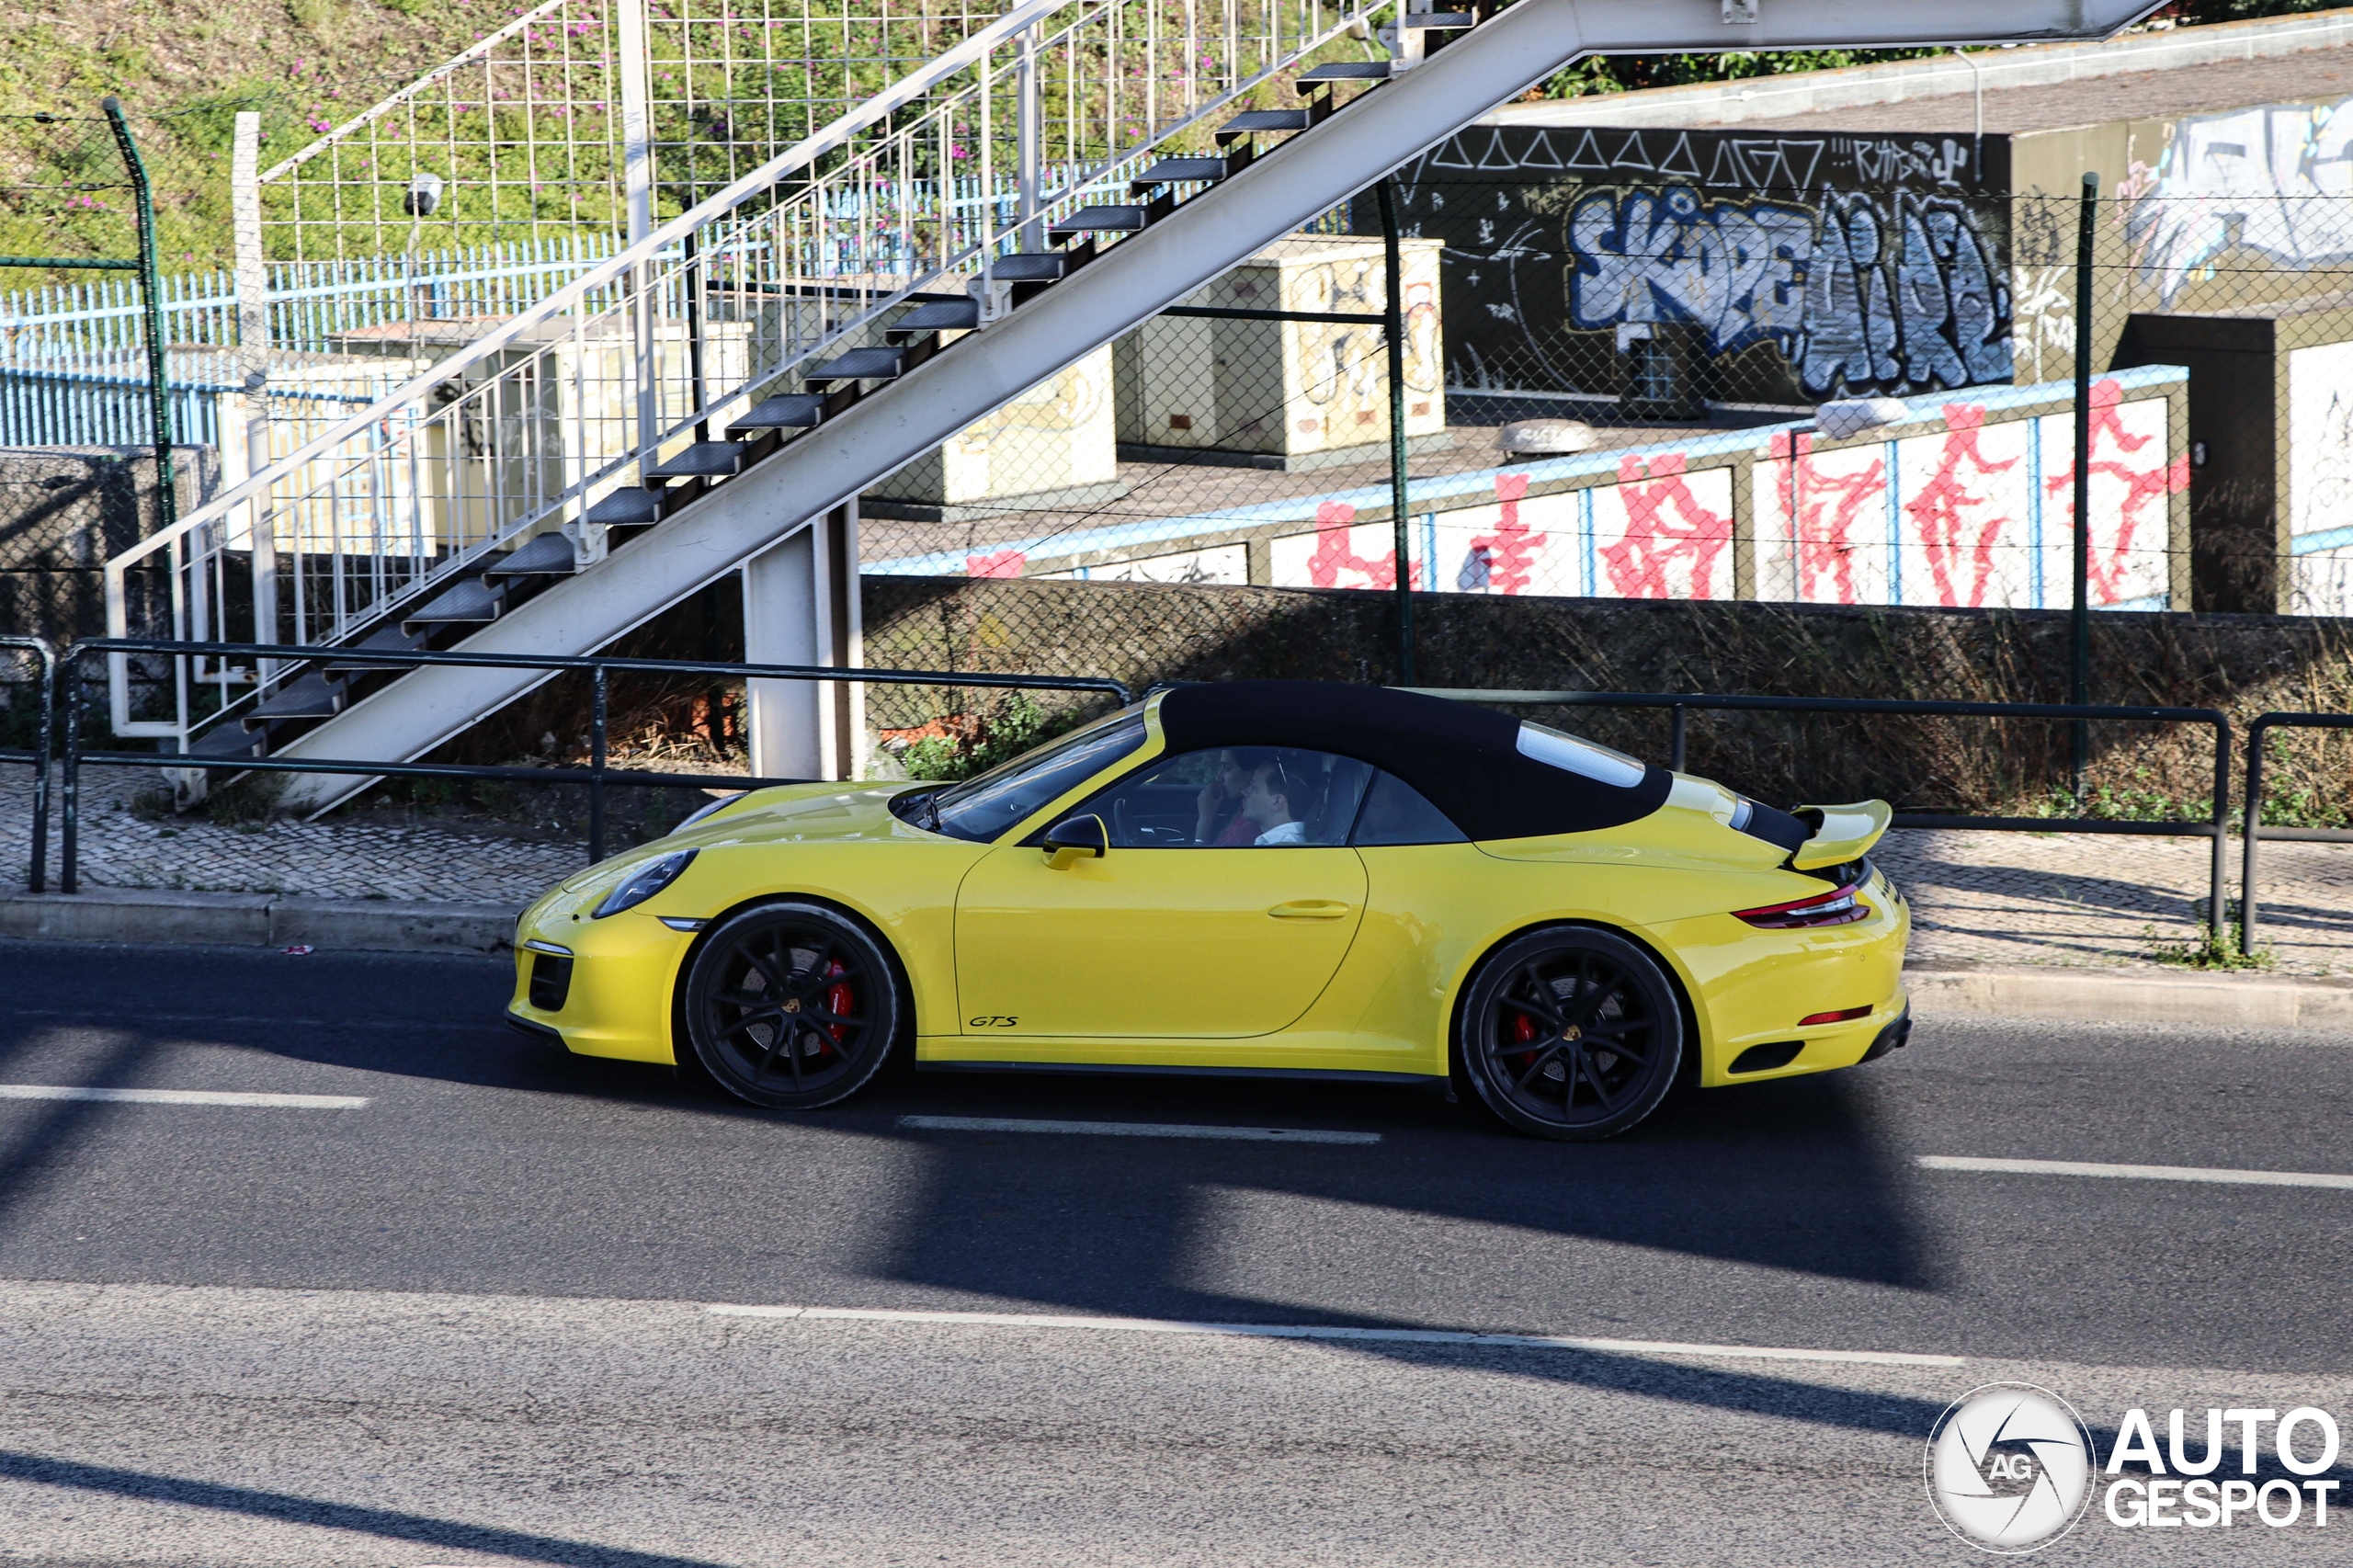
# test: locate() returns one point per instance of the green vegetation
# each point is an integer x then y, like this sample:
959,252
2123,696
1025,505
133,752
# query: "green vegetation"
1018,726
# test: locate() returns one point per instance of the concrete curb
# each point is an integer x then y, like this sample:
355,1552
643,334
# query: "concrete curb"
253,920
256,920
2141,996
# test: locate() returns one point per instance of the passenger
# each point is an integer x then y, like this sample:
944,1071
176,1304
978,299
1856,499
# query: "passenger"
1277,803
1220,822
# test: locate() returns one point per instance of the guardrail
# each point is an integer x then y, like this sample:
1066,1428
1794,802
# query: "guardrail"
1678,707
38,753
2252,829
71,677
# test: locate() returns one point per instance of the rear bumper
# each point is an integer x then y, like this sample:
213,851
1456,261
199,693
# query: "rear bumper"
1893,1038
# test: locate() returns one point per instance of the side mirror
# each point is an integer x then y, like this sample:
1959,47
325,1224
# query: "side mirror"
1075,838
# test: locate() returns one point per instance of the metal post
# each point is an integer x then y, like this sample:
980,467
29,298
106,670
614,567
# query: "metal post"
597,767
1025,84
2079,631
630,63
695,385
69,857
1400,512
2252,825
1675,730
159,392
2218,894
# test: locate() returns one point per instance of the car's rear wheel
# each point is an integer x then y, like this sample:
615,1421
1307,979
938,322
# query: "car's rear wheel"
1571,1033
791,1005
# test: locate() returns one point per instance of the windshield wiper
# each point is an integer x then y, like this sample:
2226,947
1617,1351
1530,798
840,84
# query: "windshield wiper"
922,809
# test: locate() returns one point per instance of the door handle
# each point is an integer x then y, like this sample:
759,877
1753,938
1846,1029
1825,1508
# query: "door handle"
1309,909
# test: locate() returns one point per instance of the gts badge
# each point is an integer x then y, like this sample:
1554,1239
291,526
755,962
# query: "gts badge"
993,1021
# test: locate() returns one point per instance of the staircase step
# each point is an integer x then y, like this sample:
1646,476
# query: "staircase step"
941,315
389,640
1345,71
628,508
549,555
860,365
704,459
1030,266
226,740
1259,120
1180,171
1443,20
788,411
312,696
470,603
1102,221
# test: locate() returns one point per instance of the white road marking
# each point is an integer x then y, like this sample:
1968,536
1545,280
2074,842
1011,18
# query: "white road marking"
183,1096
2133,1173
1133,1129
1317,1331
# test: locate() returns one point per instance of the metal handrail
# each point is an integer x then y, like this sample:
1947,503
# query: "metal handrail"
2217,828
37,871
71,676
2251,827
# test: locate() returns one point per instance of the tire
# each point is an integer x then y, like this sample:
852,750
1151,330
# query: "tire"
831,1031
1571,1033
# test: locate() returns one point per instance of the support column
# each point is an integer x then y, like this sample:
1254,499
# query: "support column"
801,607
252,270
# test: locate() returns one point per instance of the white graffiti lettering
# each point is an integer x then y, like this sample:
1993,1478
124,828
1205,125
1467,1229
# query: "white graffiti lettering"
2274,178
1854,296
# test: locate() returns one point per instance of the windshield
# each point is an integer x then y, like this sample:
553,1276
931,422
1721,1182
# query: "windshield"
980,809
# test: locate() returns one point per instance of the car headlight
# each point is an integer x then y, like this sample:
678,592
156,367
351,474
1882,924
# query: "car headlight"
644,882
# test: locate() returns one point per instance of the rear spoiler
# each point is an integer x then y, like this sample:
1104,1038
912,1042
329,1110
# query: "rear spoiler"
1840,833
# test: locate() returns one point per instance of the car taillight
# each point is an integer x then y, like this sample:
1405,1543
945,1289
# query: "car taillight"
1837,907
1842,1016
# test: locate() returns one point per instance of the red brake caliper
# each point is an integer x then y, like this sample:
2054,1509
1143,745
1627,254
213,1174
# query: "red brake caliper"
1523,1030
840,1000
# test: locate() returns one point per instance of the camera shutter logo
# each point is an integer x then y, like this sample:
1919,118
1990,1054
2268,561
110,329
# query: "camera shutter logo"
2010,1468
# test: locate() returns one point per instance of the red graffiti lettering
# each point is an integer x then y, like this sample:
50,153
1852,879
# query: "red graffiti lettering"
2112,449
1961,566
1509,553
1004,563
1668,527
1335,553
1823,510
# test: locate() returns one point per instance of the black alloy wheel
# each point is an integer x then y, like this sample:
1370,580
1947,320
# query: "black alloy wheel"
791,1005
1571,1033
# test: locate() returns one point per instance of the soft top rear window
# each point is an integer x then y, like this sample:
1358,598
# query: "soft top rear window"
1573,754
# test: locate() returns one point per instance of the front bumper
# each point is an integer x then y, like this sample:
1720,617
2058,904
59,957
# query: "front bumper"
623,972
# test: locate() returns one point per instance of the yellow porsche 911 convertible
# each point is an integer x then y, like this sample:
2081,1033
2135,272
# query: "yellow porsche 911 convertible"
1255,879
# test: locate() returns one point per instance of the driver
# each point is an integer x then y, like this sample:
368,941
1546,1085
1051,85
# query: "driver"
1269,804
1220,822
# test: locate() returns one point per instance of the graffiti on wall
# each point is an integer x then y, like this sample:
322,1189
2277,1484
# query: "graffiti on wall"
2272,180
1980,515
1804,268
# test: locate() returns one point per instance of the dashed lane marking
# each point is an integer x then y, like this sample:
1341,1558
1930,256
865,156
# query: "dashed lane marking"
1359,1336
184,1097
2133,1173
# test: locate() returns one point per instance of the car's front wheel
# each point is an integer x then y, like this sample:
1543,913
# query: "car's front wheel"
1570,1033
791,1005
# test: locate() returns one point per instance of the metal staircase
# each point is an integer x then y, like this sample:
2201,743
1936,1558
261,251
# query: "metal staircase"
679,410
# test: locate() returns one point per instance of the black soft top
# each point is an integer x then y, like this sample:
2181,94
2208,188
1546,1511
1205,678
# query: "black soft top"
1465,759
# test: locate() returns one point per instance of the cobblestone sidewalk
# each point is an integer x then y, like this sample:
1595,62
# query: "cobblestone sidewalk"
2063,899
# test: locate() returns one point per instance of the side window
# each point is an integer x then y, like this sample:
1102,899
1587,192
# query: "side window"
1396,812
1247,797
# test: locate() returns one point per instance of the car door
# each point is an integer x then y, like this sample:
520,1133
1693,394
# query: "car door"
1170,932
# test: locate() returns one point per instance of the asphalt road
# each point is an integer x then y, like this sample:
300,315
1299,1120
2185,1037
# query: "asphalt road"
468,1322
